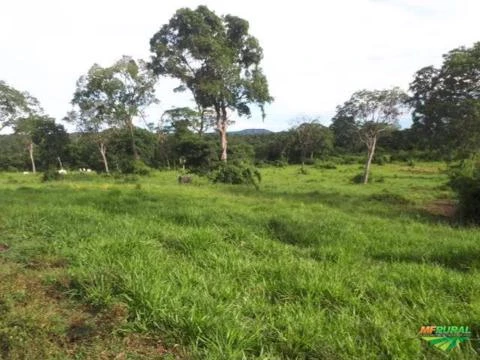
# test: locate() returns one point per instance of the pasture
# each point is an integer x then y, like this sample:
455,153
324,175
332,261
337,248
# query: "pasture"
310,266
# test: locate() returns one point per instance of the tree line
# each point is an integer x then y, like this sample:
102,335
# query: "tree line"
218,61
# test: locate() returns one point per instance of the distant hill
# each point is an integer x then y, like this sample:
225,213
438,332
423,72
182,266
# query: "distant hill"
250,132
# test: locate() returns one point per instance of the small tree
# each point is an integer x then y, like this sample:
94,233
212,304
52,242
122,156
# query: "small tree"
311,137
48,137
374,112
27,127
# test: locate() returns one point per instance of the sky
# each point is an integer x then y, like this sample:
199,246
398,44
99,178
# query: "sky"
316,53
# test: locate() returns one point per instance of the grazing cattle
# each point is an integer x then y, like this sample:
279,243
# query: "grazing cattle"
62,171
184,179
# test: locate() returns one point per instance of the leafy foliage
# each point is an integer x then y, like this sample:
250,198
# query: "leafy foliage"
15,104
51,174
465,181
113,97
446,102
216,59
236,174
374,112
311,138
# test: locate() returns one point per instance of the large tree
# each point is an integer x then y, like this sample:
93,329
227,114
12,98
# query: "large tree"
113,97
216,59
446,102
15,104
374,112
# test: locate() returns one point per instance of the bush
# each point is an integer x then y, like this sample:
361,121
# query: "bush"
280,163
382,159
309,161
465,181
137,167
140,168
358,179
236,174
51,175
302,171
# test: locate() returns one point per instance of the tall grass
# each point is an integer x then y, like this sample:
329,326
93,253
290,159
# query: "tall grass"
309,267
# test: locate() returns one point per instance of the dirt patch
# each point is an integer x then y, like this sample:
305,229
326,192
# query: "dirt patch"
38,320
4,247
446,208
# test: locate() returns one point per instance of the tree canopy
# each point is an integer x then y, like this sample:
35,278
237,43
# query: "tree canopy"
114,96
216,59
15,104
446,102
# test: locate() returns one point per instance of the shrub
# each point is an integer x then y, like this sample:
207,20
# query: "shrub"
137,167
379,161
236,174
51,175
358,179
302,171
465,181
382,159
140,168
280,163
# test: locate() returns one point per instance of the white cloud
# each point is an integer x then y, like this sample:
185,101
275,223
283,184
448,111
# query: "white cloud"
316,52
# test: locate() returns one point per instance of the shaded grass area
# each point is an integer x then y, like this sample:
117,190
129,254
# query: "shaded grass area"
309,267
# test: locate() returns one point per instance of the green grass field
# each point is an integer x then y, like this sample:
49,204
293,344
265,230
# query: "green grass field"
308,267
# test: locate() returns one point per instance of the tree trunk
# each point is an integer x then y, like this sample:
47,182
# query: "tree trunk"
103,151
223,140
132,138
30,151
371,152
202,123
222,129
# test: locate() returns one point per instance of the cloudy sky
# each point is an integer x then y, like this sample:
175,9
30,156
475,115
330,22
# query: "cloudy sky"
316,52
